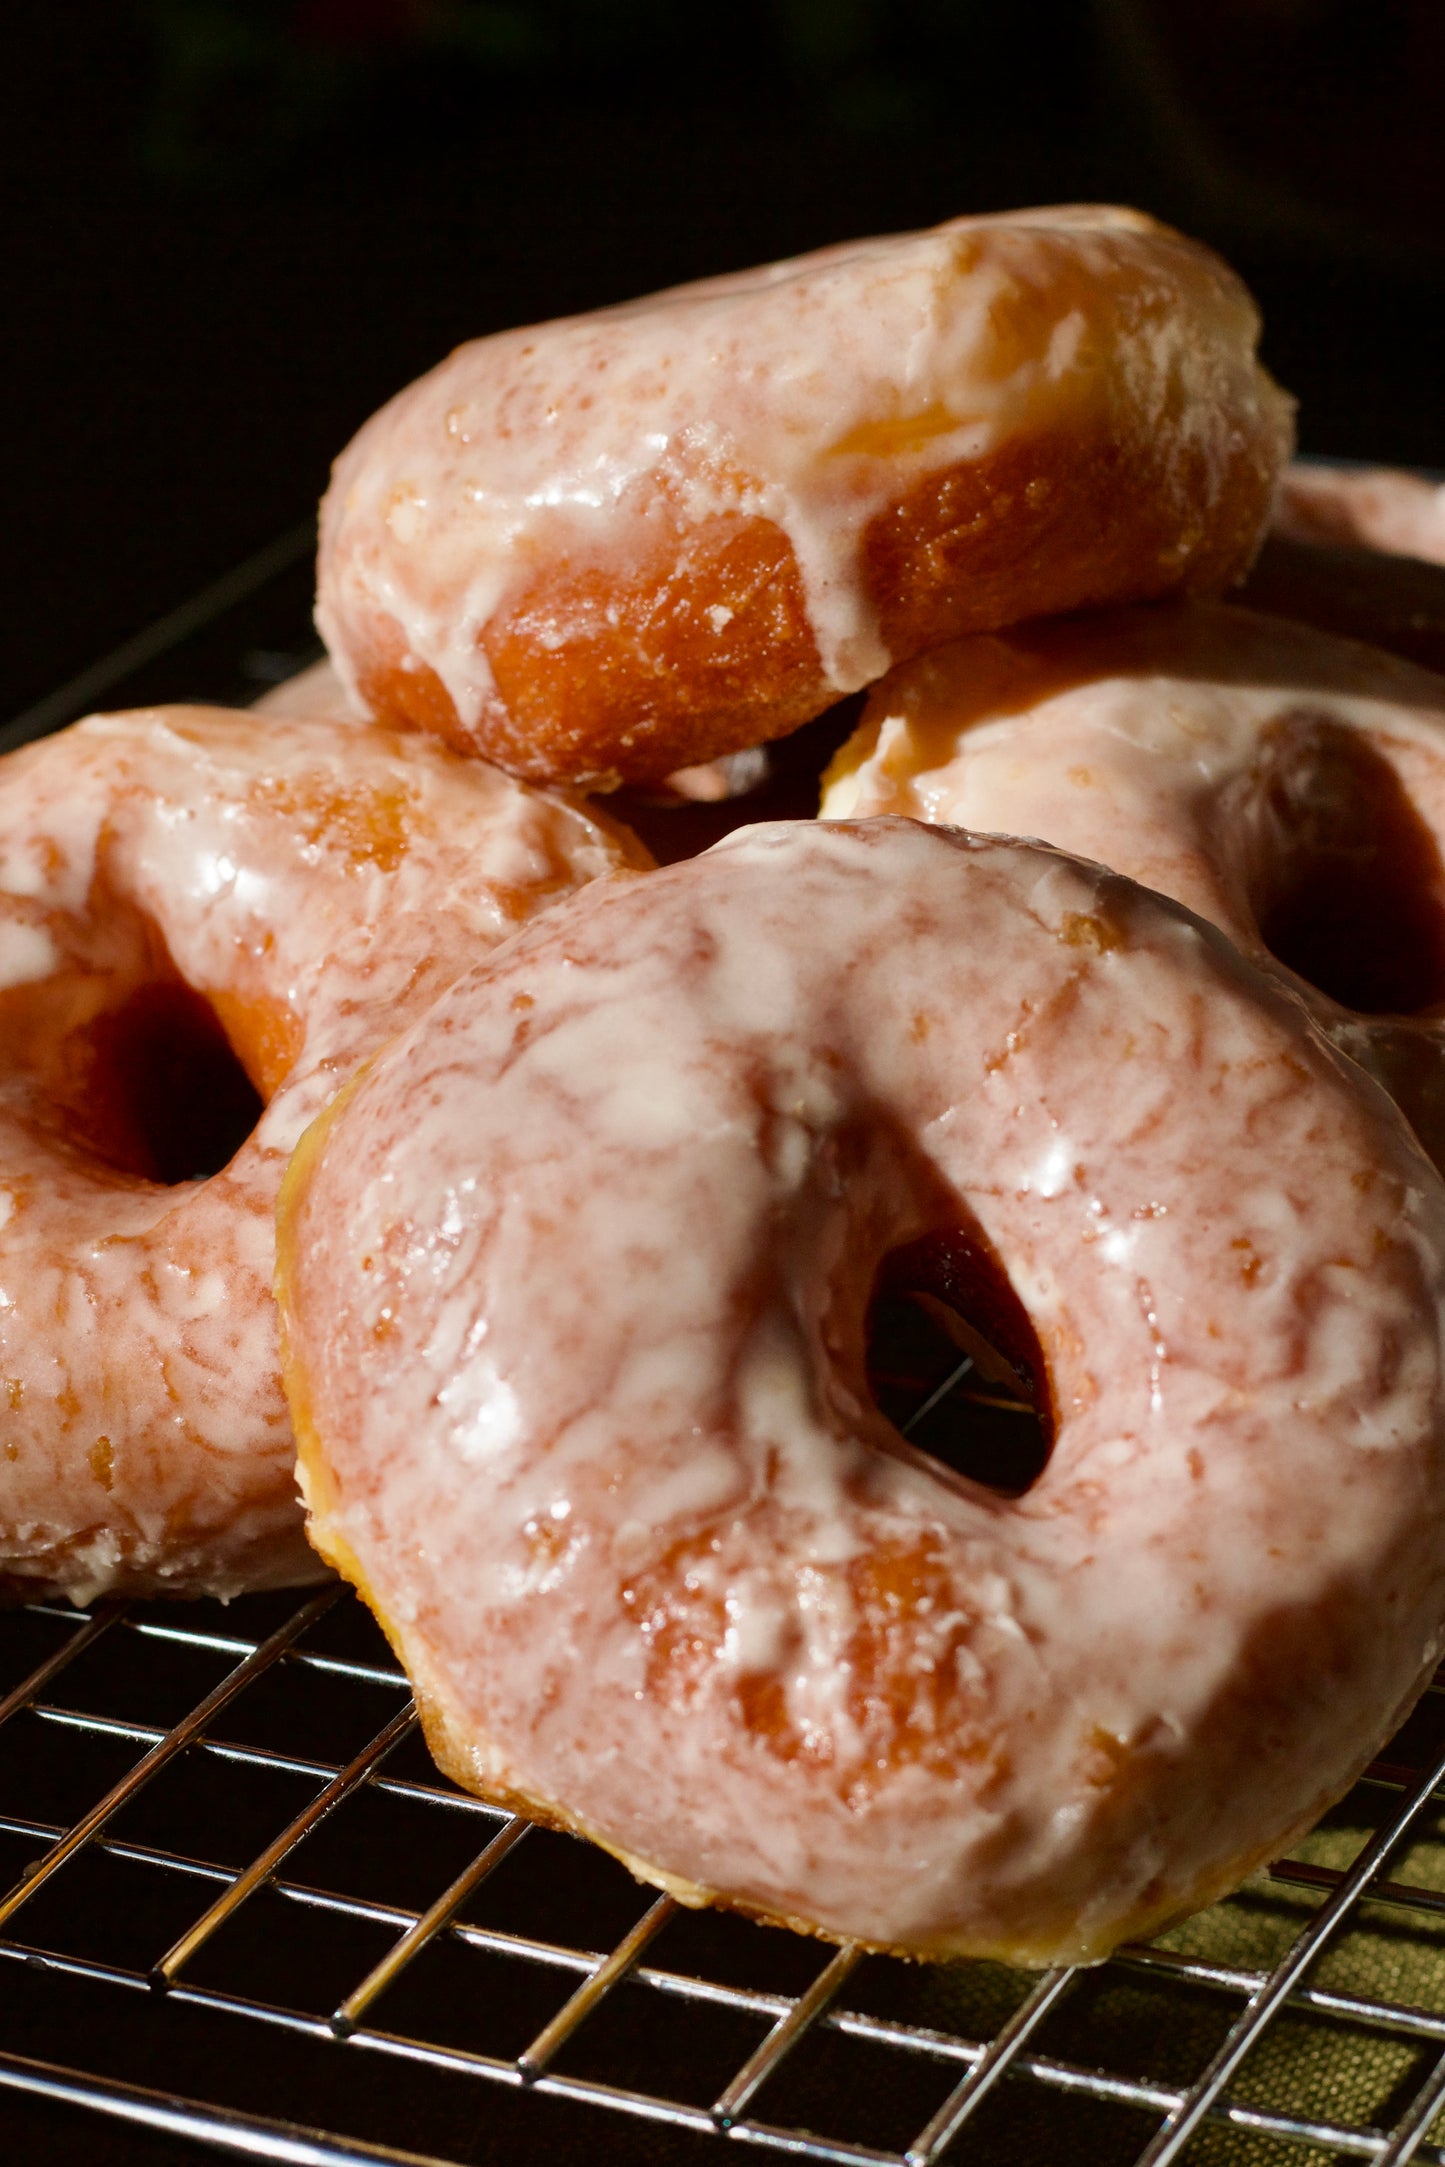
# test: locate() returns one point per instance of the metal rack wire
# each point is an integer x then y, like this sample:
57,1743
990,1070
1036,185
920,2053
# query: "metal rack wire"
107,1895
244,1909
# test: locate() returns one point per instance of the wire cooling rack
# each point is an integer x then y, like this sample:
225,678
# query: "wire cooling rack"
241,1908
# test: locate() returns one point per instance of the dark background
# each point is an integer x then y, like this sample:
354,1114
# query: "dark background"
233,226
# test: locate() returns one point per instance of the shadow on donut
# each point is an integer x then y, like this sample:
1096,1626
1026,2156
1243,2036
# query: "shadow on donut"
1342,873
1343,879
1397,603
156,1088
954,1362
788,788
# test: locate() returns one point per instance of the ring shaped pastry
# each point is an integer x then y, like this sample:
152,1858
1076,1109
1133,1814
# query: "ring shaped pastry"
608,548
1286,785
595,1242
180,891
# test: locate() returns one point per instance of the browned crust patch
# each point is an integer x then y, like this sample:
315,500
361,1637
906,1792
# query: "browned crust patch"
615,672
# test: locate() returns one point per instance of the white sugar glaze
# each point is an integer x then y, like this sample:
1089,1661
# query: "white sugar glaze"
1197,748
330,878
574,1285
811,392
1369,507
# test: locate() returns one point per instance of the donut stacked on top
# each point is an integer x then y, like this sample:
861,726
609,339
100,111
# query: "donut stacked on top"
634,541
600,1236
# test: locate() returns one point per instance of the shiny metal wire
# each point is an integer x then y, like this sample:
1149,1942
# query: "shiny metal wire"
586,1977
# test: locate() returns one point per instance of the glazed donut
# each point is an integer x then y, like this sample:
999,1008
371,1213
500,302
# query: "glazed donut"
596,1239
182,890
1288,786
1369,507
628,543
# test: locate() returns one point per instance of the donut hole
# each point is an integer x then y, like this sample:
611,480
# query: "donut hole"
955,1365
1342,873
167,1099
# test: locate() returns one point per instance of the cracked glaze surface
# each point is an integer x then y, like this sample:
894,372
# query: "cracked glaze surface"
1286,785
316,885
574,1284
628,542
